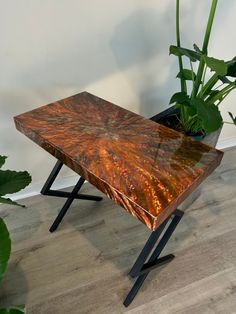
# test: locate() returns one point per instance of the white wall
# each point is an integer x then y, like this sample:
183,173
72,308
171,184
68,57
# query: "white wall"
118,50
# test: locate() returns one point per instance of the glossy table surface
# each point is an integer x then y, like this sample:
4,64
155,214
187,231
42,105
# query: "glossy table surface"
143,166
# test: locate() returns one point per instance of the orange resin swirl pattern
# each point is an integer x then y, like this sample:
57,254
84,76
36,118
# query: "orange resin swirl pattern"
145,167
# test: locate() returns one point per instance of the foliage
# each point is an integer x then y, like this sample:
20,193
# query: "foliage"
199,103
15,310
5,247
10,182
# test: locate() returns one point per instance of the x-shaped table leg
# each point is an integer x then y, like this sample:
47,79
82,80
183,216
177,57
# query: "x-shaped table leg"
142,269
46,190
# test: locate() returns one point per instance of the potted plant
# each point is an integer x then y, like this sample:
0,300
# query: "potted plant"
204,85
10,182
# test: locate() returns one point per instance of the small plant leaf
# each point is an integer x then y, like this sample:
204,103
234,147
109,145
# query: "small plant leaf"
8,201
179,51
209,114
13,181
181,98
5,247
2,160
12,311
232,117
216,65
186,74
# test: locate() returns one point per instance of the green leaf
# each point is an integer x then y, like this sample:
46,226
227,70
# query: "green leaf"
181,98
186,74
15,310
8,201
232,117
191,111
219,66
179,51
231,67
5,248
209,114
13,181
2,160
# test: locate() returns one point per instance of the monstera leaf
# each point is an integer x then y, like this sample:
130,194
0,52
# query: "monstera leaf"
216,65
5,248
12,182
209,114
16,310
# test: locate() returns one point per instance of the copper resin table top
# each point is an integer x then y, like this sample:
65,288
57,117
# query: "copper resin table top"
143,166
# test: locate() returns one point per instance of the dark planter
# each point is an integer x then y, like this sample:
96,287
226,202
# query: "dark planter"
210,139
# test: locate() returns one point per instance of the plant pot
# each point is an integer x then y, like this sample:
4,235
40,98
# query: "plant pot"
210,140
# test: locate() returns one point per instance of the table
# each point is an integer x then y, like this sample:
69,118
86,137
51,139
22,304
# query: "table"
143,166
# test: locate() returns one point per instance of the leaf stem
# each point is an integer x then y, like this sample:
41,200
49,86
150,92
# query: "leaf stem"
204,48
225,95
182,80
222,93
204,75
191,65
208,86
209,26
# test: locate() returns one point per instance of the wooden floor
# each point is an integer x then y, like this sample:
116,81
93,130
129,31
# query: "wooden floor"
82,268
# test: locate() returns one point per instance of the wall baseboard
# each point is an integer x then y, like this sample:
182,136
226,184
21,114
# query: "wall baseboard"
62,183
35,188
227,143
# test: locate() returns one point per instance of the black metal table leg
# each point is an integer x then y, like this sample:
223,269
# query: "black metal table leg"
56,169
75,196
146,250
154,261
66,206
46,190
